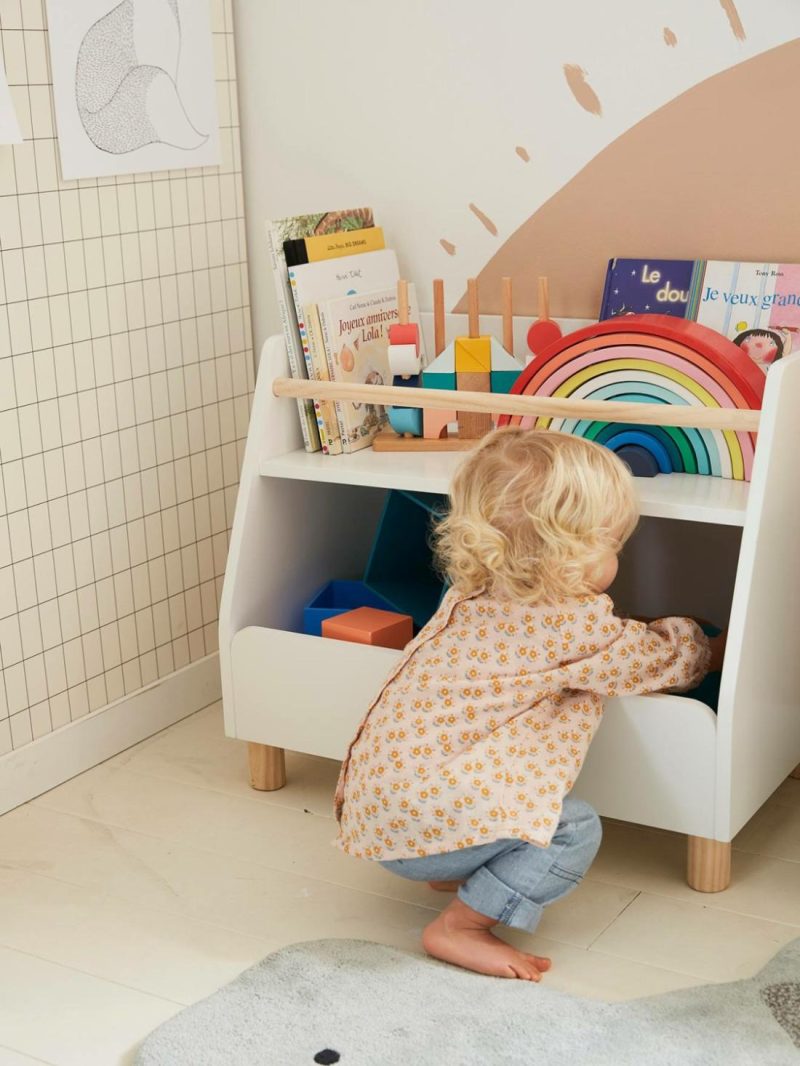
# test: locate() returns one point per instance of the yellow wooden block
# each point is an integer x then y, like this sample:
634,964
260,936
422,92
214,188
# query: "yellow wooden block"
473,355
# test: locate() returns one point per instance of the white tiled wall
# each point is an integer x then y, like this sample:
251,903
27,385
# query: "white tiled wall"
125,384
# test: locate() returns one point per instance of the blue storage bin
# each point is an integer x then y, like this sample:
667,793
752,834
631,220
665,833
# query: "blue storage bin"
400,567
336,597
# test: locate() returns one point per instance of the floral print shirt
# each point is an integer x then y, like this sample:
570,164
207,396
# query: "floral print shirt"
483,725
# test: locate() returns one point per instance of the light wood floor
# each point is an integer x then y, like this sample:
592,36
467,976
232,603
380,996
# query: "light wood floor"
146,883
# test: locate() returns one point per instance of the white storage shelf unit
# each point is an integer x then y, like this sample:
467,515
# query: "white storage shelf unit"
727,550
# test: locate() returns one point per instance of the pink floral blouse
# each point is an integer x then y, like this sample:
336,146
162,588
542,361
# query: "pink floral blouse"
482,727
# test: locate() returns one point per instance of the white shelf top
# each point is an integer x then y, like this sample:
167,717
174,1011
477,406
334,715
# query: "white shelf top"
690,497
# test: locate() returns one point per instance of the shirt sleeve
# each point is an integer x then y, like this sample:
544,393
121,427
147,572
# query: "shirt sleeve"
629,658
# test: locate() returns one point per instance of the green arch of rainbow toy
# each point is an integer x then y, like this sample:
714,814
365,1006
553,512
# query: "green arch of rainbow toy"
651,359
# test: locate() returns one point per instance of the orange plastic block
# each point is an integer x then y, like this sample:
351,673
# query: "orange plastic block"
473,355
367,625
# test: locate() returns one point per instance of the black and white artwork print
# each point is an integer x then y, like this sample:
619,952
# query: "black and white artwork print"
134,85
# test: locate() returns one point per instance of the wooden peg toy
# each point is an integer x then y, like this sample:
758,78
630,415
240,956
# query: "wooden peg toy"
404,360
544,330
508,316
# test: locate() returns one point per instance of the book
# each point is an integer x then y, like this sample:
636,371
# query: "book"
311,283
333,245
355,331
325,411
647,286
756,305
278,231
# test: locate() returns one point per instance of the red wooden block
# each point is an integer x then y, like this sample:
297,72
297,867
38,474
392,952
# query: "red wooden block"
404,334
367,625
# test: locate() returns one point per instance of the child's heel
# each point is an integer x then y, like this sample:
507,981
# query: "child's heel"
446,886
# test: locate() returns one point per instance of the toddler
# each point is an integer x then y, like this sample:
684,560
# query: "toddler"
461,771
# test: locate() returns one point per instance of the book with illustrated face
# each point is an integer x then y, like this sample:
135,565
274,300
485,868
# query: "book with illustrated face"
355,332
756,305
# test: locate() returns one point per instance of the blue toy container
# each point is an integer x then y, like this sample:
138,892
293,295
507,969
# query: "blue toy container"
336,597
400,567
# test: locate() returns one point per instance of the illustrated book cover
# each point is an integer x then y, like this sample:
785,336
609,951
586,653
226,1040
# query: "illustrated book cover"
355,330
312,283
279,231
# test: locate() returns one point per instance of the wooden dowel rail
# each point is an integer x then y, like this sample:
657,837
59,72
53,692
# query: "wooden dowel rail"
645,414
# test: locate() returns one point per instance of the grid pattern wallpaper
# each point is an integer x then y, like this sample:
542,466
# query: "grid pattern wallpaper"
126,377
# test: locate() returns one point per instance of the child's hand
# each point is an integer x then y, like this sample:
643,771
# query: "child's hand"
717,652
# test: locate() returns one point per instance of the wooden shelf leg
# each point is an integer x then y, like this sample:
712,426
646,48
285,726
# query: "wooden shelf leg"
796,771
267,767
709,864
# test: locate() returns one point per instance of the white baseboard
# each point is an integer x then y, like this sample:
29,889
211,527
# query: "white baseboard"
58,756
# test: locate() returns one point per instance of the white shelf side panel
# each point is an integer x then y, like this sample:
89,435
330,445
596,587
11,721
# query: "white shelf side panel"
759,707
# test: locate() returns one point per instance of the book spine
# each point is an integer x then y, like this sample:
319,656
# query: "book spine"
696,289
305,408
330,357
604,306
318,371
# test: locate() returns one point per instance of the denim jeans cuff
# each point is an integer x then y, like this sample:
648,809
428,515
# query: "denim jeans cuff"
488,895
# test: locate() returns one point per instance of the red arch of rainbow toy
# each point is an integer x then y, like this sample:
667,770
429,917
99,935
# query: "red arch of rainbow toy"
656,359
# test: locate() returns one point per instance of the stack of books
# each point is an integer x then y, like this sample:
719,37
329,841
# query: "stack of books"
336,284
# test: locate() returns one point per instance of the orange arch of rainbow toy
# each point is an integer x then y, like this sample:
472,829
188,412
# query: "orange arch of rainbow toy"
652,359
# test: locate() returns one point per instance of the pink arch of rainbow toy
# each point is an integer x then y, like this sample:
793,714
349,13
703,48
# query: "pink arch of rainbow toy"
669,353
731,363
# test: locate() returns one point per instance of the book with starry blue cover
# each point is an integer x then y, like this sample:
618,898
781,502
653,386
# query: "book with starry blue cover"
647,286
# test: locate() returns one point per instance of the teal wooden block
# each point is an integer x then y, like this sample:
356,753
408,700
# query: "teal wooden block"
436,380
503,380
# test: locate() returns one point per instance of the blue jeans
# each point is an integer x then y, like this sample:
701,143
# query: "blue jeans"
513,881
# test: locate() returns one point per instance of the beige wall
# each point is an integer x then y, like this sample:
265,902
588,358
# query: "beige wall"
523,138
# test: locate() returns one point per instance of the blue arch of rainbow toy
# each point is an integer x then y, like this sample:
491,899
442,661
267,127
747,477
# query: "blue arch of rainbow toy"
702,442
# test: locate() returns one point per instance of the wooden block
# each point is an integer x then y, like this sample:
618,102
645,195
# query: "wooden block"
404,334
473,381
503,380
472,424
387,441
473,354
435,423
405,420
367,625
411,381
432,379
403,359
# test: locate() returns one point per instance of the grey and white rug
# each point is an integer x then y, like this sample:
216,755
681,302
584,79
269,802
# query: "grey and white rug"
361,1004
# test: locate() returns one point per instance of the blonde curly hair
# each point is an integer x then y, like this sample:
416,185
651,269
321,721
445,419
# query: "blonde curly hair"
533,515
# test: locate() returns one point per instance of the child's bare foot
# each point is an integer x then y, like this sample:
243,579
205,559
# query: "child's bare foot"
461,936
446,886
